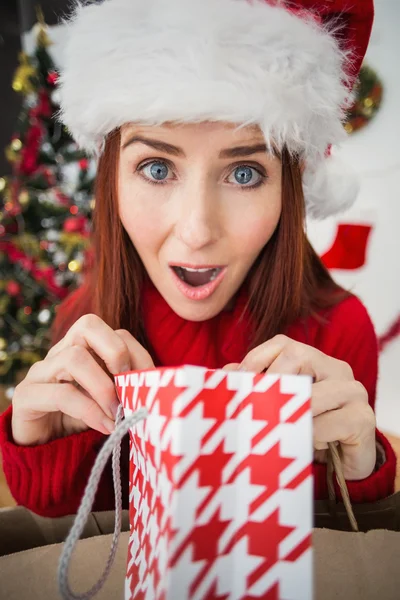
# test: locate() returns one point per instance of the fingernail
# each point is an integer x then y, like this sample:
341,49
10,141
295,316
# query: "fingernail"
114,409
241,368
126,368
108,424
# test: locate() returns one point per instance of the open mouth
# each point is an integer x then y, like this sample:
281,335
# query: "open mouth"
197,277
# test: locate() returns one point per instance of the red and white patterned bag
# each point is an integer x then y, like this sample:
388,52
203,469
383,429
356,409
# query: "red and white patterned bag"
221,491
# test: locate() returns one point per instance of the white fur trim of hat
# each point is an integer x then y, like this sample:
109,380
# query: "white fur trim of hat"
240,61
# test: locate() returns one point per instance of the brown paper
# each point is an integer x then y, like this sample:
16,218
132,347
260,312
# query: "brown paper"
32,574
348,566
21,529
357,566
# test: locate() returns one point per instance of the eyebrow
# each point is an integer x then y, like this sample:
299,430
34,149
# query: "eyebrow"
238,151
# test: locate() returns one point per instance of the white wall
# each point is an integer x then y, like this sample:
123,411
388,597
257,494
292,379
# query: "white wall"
375,154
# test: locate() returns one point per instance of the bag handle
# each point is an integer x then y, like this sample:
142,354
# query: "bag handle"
112,445
335,467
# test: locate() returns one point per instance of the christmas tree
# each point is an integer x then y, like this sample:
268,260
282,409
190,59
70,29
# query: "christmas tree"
45,208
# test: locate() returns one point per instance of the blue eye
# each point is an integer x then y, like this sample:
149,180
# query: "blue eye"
245,175
157,171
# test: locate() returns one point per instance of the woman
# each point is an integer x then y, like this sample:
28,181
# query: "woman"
213,123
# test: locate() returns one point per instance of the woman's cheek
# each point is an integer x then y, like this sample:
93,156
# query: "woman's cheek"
136,218
254,228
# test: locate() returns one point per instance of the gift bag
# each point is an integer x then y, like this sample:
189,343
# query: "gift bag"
221,490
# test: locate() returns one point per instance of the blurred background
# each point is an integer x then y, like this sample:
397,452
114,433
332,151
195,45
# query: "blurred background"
46,198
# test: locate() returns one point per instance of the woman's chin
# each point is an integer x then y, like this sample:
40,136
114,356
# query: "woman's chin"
196,313
197,310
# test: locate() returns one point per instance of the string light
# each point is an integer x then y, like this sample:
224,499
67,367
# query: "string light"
23,198
74,266
16,145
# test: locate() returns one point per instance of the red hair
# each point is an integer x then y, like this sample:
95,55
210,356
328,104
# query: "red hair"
287,281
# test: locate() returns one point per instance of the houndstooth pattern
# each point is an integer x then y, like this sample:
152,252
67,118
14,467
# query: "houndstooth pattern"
220,485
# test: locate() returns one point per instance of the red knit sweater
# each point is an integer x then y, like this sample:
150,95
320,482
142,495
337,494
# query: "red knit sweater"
49,479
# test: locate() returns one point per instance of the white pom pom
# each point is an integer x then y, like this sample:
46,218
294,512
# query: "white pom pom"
329,188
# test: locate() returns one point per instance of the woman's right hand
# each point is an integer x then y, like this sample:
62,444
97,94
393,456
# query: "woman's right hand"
70,390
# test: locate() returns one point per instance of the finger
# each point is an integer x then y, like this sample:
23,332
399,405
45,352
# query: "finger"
261,357
231,367
332,395
285,364
350,425
40,398
139,357
295,358
355,430
320,447
91,332
77,364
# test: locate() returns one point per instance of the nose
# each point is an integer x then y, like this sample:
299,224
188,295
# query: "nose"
197,216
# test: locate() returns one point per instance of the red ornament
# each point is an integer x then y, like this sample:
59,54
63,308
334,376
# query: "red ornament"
52,78
13,288
26,263
44,105
11,227
62,198
75,224
29,155
49,176
42,108
84,164
74,210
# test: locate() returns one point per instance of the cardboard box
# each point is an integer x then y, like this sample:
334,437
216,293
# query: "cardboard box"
348,566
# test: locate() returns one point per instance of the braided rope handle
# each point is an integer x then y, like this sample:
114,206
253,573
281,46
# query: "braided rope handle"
335,466
112,445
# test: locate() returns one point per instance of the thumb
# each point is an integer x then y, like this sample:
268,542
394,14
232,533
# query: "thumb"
139,357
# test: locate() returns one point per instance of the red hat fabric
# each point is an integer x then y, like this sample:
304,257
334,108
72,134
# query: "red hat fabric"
355,18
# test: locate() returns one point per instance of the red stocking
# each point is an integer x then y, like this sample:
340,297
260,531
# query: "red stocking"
349,248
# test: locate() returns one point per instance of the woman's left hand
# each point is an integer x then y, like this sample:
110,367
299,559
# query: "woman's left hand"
339,403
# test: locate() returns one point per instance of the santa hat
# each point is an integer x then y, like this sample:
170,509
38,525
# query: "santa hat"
287,66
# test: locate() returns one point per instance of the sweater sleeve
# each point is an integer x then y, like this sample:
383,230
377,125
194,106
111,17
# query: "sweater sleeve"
349,335
49,479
